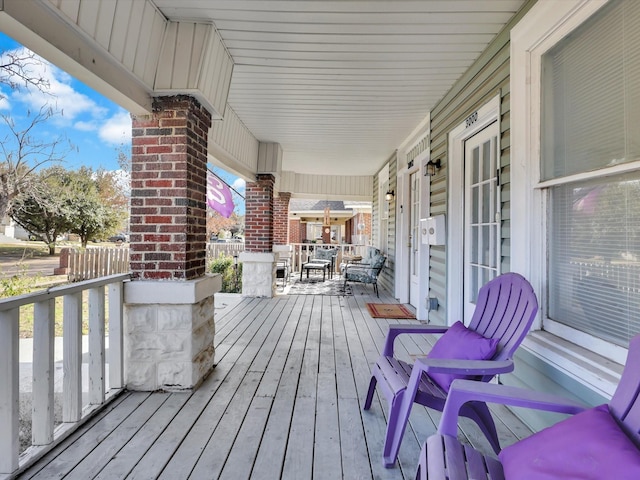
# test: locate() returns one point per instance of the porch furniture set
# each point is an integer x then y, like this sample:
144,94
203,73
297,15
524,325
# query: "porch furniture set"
324,259
597,443
354,269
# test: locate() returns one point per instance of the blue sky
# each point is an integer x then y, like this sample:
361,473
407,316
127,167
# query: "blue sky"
96,127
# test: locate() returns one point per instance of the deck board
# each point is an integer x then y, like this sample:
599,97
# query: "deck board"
283,402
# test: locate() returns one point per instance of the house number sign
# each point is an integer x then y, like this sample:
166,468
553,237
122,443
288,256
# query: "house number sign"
471,119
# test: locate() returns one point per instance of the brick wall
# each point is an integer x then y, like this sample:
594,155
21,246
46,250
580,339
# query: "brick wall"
294,231
168,190
258,230
281,218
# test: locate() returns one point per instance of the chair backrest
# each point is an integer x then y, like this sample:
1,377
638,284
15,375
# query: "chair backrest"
376,264
325,253
505,309
625,403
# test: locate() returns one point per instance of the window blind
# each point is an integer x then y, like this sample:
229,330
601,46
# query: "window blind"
591,120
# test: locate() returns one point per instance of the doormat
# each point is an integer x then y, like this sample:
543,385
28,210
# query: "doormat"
389,310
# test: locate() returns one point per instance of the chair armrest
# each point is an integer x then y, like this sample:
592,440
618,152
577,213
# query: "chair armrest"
464,367
463,391
395,330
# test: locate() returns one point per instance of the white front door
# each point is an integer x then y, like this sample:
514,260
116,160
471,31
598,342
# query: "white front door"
481,214
414,238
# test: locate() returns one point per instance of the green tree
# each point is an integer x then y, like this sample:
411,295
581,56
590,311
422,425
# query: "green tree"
99,209
44,211
83,202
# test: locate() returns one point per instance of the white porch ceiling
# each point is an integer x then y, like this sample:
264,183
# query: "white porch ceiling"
341,83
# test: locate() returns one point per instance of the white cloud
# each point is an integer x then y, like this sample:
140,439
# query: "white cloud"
4,103
60,94
86,126
117,129
239,184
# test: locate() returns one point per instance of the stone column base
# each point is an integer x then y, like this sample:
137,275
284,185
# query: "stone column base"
168,333
258,274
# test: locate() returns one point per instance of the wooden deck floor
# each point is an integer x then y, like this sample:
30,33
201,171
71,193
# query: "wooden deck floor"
284,402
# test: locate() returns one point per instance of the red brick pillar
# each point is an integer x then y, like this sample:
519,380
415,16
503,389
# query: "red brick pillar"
169,312
294,231
258,230
281,218
168,190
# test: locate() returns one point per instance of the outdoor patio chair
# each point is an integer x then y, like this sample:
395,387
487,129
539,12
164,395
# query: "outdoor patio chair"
365,273
598,443
504,311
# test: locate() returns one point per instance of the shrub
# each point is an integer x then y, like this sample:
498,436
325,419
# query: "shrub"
231,279
18,284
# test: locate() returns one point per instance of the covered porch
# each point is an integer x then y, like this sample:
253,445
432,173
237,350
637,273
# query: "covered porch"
284,401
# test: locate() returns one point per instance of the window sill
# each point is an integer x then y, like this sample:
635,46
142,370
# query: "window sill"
590,369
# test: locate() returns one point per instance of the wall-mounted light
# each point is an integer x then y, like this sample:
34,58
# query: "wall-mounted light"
389,196
431,168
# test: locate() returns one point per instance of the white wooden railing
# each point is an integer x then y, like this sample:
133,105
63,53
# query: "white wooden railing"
229,249
303,251
97,262
98,387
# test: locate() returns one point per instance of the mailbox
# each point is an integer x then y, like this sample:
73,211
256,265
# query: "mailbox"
433,230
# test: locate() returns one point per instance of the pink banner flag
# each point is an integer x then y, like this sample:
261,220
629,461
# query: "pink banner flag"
219,196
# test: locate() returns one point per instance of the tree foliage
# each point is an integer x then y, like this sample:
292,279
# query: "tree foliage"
83,202
44,211
99,209
216,223
23,153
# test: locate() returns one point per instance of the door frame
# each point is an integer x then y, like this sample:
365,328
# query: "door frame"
474,123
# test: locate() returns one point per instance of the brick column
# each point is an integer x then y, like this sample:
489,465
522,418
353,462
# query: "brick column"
258,260
169,323
258,220
294,231
281,218
168,190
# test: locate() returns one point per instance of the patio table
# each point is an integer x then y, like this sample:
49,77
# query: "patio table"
314,266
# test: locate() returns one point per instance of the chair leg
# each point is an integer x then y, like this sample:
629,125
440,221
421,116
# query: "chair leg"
370,392
479,413
399,410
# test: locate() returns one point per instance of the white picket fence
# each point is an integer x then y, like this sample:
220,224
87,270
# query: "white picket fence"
96,262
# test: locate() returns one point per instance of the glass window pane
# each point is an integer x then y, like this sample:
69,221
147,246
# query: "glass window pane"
486,245
486,203
474,244
594,256
475,165
475,191
591,94
486,160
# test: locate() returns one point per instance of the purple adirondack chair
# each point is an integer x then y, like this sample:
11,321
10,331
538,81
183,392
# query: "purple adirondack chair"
598,443
504,311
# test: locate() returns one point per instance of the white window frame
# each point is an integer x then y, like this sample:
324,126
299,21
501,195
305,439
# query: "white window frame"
546,24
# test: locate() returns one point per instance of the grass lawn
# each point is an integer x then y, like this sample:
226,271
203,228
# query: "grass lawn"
23,250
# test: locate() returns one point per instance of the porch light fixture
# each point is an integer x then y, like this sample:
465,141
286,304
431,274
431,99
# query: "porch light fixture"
432,167
389,196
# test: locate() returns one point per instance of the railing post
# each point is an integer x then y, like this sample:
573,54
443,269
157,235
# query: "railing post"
96,346
43,372
72,362
116,375
9,410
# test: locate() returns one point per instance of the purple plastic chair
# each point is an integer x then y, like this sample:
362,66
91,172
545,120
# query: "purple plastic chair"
504,311
443,457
